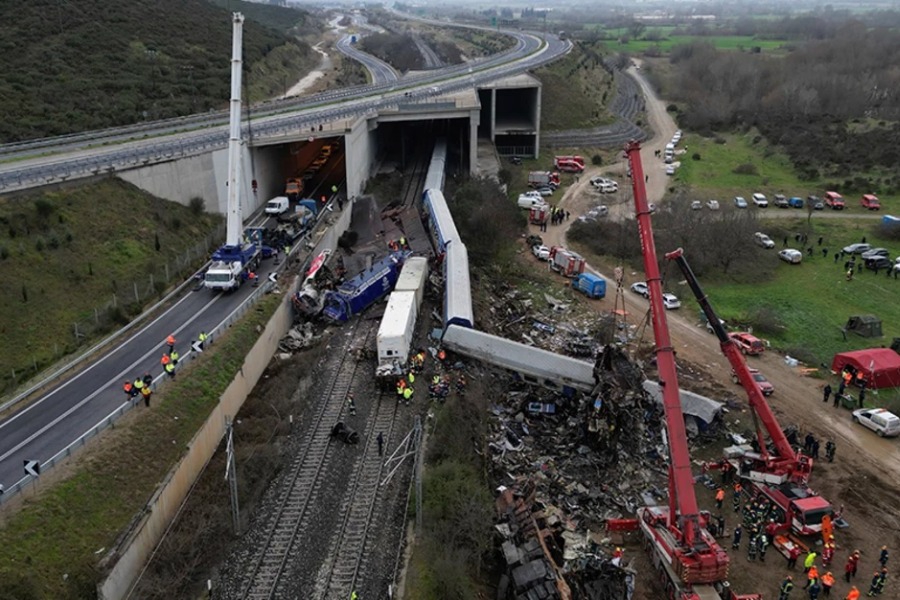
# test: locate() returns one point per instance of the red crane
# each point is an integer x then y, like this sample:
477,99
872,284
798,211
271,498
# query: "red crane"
690,562
780,476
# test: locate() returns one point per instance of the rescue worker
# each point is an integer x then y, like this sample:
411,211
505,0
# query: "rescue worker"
853,594
736,540
809,561
202,339
720,497
882,579
828,552
411,377
763,546
829,450
442,355
851,566
148,379
170,341
129,390
354,595
164,360
814,590
736,499
793,555
827,584
787,585
401,385
751,548
146,392
174,356
811,576
461,385
407,395
873,587
883,557
138,385
351,405
170,370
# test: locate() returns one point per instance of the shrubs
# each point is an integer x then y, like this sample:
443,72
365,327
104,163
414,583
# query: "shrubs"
745,169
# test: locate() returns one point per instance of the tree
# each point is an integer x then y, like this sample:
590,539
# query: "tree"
636,29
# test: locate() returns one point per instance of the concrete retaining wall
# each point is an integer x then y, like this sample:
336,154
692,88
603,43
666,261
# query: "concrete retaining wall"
164,505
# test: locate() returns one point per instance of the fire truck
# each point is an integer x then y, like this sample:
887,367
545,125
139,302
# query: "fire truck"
690,564
569,164
772,468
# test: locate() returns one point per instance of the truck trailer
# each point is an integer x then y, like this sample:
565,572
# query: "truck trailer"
395,334
412,277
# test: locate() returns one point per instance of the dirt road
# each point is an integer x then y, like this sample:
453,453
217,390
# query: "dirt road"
866,475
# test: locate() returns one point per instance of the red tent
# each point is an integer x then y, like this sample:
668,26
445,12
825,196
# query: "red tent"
881,366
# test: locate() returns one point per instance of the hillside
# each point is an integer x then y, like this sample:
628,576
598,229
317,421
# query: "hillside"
66,252
68,67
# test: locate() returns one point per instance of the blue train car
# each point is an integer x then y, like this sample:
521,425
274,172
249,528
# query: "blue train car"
434,179
457,287
357,294
440,222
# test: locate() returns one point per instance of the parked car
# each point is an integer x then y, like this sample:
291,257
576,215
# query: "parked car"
815,202
790,255
595,213
671,301
739,202
879,420
748,343
765,386
545,190
709,326
781,201
712,205
870,201
857,248
873,252
834,200
760,200
796,202
609,188
515,160
878,263
670,169
763,240
696,205
640,287
541,252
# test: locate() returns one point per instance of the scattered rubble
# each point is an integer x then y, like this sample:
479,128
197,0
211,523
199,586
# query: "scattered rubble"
297,338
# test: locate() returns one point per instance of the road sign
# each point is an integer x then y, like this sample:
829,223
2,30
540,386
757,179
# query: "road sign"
197,346
273,277
32,467
2,489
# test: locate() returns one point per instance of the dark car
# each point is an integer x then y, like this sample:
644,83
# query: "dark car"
879,262
815,202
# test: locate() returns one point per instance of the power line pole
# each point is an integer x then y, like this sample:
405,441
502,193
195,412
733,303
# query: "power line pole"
231,477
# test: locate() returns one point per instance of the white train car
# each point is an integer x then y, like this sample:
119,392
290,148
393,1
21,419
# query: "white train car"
457,287
440,221
413,277
434,178
395,334
533,365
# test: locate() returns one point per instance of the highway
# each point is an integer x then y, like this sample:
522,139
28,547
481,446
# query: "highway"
380,71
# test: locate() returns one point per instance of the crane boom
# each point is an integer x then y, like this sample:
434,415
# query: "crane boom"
683,511
235,222
787,461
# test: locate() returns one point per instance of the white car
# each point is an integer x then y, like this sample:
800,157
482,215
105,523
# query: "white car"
610,187
760,200
534,193
640,287
670,169
739,202
879,420
545,190
671,301
790,255
713,205
541,252
696,205
763,240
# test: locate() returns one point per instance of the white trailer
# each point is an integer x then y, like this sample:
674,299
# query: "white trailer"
395,333
412,278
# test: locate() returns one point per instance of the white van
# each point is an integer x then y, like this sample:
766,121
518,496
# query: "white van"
879,420
528,202
277,205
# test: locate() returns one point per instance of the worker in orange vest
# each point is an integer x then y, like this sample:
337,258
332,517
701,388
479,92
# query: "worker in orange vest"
811,576
853,594
720,497
171,342
164,360
827,583
129,390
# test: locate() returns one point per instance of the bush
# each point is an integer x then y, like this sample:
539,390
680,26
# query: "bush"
767,321
4,252
745,169
39,244
695,156
197,206
43,207
596,160
672,108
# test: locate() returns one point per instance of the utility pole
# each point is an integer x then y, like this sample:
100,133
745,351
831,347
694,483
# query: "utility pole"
231,477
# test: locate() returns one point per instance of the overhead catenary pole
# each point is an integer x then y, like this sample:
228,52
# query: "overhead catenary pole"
235,223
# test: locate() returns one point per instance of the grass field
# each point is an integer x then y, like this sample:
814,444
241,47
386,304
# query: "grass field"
575,91
722,42
49,548
64,252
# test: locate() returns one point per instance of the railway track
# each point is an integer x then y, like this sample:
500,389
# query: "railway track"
345,557
296,499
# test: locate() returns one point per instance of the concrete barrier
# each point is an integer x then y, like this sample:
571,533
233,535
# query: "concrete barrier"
132,553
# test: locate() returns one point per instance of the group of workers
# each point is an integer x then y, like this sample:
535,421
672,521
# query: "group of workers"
142,386
816,584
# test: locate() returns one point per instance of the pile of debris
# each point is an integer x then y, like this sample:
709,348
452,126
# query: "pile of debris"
298,337
568,466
